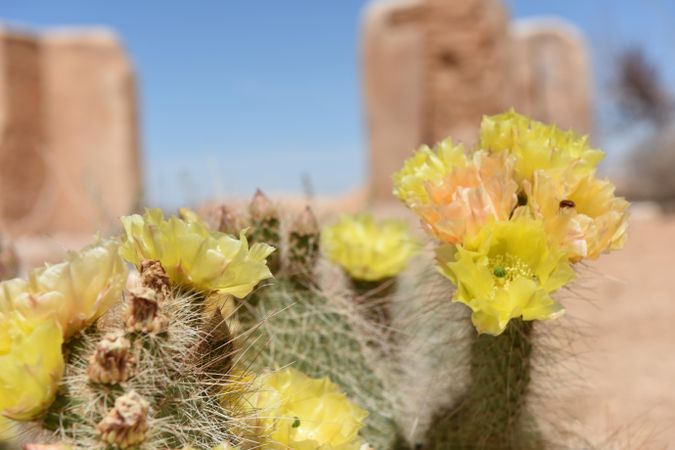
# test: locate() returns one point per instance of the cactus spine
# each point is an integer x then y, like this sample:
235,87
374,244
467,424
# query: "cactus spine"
148,376
493,414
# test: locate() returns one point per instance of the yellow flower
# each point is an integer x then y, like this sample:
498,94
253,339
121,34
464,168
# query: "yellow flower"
469,197
75,292
195,257
32,365
425,167
537,146
507,270
581,214
301,413
367,250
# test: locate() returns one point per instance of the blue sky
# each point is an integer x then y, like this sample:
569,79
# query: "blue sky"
243,93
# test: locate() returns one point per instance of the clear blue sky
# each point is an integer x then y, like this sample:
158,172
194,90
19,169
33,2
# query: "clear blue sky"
243,93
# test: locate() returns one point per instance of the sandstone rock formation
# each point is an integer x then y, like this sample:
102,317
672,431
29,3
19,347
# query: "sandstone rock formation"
69,158
552,78
393,79
433,68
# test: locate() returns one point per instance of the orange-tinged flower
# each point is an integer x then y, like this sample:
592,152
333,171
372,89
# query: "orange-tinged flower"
581,214
469,197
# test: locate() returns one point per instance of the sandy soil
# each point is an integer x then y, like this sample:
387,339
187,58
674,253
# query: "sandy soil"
628,351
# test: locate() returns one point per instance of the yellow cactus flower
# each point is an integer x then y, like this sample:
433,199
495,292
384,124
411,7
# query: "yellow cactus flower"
425,167
508,270
537,146
296,412
75,292
581,214
195,257
32,365
368,250
470,196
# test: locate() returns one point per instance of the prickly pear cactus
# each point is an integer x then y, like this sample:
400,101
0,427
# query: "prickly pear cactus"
294,322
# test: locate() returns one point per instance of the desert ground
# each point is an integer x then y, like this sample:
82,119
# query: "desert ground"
626,341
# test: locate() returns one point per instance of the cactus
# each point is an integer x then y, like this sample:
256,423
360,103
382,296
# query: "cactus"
319,335
303,249
148,376
293,322
159,366
493,413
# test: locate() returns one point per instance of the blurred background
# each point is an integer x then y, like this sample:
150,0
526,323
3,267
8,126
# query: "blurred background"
106,107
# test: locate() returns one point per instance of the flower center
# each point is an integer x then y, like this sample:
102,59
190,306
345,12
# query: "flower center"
506,268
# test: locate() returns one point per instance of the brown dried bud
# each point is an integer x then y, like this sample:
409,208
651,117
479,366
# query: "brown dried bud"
126,424
112,362
154,276
143,312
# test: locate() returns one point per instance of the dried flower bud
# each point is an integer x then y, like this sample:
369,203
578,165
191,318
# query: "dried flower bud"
143,312
112,362
154,276
126,424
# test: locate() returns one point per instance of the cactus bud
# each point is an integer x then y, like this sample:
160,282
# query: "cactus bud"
143,313
154,276
266,226
126,424
112,362
303,247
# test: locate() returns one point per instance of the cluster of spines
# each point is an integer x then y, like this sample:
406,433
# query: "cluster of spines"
493,413
148,376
